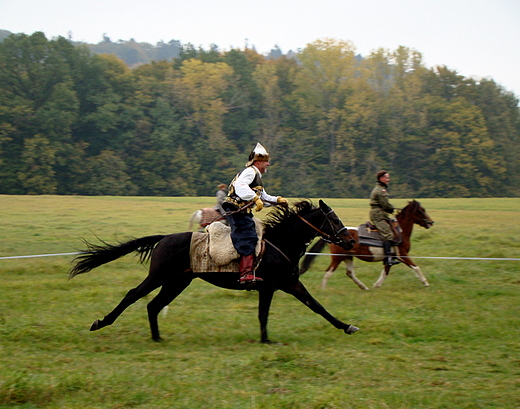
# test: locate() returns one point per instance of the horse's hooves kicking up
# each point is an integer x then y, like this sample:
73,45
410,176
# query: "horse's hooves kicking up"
351,329
95,326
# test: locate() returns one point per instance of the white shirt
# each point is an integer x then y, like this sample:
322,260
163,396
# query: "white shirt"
243,190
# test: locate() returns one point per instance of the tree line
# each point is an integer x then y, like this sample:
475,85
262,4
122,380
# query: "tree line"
74,122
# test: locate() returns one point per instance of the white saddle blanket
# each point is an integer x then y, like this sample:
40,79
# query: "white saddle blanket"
214,251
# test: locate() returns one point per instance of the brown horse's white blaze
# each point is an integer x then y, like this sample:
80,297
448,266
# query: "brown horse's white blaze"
411,214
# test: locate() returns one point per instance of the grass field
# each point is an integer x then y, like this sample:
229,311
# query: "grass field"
455,344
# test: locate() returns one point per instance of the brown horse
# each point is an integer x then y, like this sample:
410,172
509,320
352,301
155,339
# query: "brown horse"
411,214
204,217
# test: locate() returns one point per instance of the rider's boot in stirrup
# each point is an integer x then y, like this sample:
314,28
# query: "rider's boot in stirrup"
390,259
247,274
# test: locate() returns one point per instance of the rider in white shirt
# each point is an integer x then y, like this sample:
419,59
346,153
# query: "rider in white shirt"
245,192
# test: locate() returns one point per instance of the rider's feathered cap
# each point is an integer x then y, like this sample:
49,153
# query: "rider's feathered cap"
259,153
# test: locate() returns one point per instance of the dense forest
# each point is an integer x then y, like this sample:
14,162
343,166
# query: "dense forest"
74,120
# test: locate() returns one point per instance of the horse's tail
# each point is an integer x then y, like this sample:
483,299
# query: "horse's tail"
194,216
309,258
97,255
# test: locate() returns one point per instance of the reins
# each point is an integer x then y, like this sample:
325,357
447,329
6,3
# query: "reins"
280,251
327,237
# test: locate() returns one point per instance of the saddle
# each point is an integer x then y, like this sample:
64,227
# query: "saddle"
214,251
368,235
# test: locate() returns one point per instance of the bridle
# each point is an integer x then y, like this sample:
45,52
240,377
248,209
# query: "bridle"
420,213
325,236
424,218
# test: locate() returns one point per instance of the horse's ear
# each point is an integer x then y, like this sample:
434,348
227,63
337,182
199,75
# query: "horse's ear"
324,206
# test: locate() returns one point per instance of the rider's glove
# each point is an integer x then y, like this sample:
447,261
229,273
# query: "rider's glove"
282,202
259,204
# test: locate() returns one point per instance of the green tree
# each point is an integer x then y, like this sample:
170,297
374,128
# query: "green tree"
271,103
462,162
36,174
324,84
199,93
397,141
108,176
37,99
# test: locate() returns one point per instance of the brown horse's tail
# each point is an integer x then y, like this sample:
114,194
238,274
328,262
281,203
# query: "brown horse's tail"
309,258
97,255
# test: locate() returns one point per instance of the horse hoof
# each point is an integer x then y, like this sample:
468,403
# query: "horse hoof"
351,329
95,326
269,342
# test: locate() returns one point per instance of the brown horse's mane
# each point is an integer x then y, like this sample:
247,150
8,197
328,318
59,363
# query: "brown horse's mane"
279,216
410,207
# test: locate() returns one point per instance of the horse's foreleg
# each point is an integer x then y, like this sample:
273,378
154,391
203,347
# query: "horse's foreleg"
300,292
264,305
145,288
350,273
169,291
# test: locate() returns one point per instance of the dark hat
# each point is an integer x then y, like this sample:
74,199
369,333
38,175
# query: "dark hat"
380,173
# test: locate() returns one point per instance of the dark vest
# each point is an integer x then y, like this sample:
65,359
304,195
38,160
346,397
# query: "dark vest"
256,185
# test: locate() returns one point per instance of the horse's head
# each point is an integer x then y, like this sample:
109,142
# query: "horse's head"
419,215
333,230
322,220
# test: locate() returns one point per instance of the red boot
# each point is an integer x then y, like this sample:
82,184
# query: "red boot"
247,274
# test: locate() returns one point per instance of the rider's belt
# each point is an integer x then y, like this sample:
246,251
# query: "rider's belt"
237,203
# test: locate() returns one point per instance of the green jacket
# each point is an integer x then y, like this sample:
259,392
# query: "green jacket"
379,198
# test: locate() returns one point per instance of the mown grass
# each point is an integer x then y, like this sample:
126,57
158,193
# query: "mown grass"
452,345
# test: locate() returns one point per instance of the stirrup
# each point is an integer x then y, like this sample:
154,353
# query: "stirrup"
249,278
391,261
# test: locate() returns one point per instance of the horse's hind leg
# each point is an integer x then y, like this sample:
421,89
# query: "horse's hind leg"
418,273
382,277
328,274
350,273
325,279
145,288
169,291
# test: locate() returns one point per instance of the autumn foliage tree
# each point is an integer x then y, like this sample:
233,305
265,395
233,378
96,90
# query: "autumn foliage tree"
76,123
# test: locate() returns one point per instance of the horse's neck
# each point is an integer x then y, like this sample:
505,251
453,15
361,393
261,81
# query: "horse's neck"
406,224
292,242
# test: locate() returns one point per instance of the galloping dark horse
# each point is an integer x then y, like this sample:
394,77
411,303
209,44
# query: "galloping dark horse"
287,232
412,213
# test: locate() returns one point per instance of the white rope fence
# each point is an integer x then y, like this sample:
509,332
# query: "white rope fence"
308,254
414,257
39,255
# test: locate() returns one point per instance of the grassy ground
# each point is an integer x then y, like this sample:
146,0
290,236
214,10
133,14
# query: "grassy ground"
455,344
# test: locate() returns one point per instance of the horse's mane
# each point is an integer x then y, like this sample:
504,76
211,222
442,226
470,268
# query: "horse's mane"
411,207
280,216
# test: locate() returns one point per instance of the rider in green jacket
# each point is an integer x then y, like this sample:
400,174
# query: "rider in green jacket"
380,212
